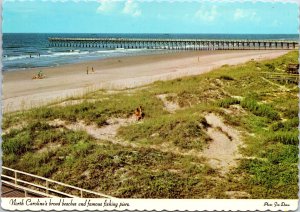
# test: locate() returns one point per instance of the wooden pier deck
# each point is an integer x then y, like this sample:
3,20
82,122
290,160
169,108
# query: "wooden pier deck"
172,44
11,191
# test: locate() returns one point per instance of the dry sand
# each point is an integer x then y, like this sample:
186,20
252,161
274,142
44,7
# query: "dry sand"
222,152
21,92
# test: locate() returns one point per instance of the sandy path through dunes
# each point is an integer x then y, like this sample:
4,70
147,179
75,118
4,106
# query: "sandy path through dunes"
222,152
21,92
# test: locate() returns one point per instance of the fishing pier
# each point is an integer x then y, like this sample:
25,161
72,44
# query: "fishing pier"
172,44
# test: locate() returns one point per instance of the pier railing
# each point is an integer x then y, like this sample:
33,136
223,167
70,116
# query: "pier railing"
46,187
172,44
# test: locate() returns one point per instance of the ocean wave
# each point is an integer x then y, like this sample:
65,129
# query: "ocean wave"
121,50
55,54
50,54
5,57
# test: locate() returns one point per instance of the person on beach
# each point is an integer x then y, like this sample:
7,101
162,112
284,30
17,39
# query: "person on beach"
40,74
139,114
87,70
93,70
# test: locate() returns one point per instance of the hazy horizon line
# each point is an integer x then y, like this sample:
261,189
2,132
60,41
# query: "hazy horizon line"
149,33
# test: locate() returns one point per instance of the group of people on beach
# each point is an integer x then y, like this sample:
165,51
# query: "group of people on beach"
39,75
87,70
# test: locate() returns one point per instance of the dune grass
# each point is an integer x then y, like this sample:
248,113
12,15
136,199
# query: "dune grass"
268,122
184,130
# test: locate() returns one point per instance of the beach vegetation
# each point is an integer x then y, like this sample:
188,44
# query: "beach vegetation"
263,110
226,77
225,103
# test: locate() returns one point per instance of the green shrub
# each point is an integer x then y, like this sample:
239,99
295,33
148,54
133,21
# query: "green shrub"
227,102
18,144
42,164
271,180
101,122
72,137
287,125
262,110
270,66
81,148
225,77
46,170
284,137
43,112
10,159
281,153
292,111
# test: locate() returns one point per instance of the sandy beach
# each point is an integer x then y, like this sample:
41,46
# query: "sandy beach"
20,91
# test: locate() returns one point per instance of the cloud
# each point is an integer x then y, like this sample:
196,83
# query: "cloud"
246,14
113,6
106,6
132,8
207,14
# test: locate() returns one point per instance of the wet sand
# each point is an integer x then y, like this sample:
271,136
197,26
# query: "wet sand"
21,92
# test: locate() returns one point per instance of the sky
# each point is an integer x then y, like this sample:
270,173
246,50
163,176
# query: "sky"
133,16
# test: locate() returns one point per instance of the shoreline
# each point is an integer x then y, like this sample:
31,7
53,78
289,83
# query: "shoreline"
126,57
91,60
21,92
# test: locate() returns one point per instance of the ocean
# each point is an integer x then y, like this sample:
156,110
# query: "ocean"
31,50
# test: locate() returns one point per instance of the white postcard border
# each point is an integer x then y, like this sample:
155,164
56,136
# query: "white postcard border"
149,204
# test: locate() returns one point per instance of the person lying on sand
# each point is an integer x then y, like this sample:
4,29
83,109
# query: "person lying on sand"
139,113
